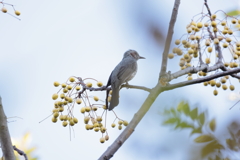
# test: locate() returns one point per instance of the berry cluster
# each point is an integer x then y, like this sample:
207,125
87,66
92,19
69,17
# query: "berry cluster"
209,41
4,10
74,92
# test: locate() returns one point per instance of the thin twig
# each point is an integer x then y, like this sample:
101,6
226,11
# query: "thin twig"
20,152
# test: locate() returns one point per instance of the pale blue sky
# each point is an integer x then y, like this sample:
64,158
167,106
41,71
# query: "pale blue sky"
87,38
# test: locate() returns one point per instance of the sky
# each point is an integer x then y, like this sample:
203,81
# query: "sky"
87,38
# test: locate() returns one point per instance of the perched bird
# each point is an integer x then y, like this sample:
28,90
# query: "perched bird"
122,73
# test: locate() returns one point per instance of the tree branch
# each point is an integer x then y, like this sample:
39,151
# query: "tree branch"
20,152
169,38
132,125
5,138
136,87
200,80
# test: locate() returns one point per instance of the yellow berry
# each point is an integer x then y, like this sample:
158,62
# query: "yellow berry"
230,32
238,44
65,90
106,137
231,87
206,24
216,41
54,120
69,87
17,13
62,95
54,96
119,127
223,80
207,60
64,123
120,122
225,45
224,31
109,98
89,84
71,79
235,64
75,120
71,123
86,120
215,92
113,125
190,78
214,16
82,110
125,123
4,10
70,100
104,107
198,37
207,42
234,21
199,25
56,84
78,101
95,98
177,42
224,87
213,83
190,51
189,30
103,129
226,64
55,114
209,49
215,29
99,84
94,108
102,140
228,39
184,42
99,118
96,129
223,23
87,109
214,24
64,85
61,109
192,37
65,102
170,55
186,56
218,84
78,88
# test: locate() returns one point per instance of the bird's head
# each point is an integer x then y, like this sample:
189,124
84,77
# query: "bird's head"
132,53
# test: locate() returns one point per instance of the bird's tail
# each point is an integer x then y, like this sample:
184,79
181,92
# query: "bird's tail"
114,99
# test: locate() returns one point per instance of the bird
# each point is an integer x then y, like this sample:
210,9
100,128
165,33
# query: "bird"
122,73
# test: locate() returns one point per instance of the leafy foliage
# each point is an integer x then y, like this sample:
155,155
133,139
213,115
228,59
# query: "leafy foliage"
183,117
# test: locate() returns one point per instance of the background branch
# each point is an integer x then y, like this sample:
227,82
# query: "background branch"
5,139
169,38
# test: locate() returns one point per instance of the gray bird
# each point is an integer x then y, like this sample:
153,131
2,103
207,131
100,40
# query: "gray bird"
122,73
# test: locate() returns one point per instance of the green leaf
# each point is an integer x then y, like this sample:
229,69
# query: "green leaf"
201,118
186,109
185,125
196,130
212,125
209,148
234,13
194,113
171,121
204,138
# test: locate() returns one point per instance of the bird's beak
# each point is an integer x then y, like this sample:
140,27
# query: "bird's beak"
141,57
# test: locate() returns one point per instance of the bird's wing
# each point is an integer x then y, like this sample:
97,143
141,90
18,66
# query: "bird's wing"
125,71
